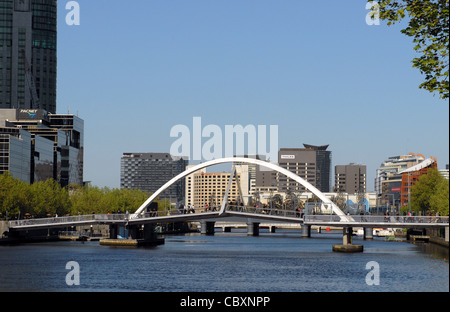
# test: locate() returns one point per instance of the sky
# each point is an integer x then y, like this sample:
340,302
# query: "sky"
132,70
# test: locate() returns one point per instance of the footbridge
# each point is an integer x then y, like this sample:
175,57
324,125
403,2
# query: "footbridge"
146,219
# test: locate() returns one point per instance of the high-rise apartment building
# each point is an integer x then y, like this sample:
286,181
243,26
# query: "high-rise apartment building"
350,178
150,171
28,54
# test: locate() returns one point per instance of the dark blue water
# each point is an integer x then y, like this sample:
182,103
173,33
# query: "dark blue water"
277,262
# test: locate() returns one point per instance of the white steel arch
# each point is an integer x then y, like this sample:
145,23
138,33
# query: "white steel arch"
272,166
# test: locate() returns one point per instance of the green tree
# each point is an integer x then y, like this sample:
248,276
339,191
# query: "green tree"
48,198
428,25
430,193
440,199
14,196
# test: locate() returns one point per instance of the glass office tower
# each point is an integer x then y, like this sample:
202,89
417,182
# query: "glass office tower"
28,54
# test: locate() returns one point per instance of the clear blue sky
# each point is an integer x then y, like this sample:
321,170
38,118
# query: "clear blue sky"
134,69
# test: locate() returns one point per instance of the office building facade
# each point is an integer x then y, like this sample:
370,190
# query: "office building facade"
46,146
149,171
312,163
388,181
28,58
350,178
411,175
207,190
15,152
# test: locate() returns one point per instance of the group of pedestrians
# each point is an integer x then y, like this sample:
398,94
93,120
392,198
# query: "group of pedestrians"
183,209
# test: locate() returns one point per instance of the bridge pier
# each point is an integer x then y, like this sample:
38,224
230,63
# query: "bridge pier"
446,233
207,227
252,228
138,235
347,242
368,233
113,230
306,230
133,231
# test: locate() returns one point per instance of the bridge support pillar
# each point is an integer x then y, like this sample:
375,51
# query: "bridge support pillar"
446,233
207,227
273,228
306,230
149,232
368,233
113,230
347,237
252,228
347,242
133,231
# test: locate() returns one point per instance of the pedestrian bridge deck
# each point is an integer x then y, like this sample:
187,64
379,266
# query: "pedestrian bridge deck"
235,214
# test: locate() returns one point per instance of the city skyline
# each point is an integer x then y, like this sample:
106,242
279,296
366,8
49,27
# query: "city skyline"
134,70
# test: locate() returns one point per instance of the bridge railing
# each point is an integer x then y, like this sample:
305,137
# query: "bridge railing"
68,219
265,211
379,219
164,213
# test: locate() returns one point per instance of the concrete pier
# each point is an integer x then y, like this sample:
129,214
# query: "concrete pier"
306,230
347,242
252,228
368,233
138,236
207,227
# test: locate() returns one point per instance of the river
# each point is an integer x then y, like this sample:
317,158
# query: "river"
272,262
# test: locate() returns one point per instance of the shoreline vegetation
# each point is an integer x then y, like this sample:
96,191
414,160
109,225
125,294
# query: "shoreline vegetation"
20,200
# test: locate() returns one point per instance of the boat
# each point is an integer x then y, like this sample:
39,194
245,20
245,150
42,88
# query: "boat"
383,232
377,232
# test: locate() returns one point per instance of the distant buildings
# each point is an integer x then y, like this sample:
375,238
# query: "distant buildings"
150,171
208,189
312,163
350,178
397,175
36,146
444,172
412,174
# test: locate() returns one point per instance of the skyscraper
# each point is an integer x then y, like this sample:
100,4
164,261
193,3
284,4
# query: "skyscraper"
28,54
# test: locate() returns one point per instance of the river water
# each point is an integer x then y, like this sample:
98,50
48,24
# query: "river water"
272,262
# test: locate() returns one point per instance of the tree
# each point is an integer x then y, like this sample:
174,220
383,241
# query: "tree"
14,196
429,27
430,194
48,198
440,199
